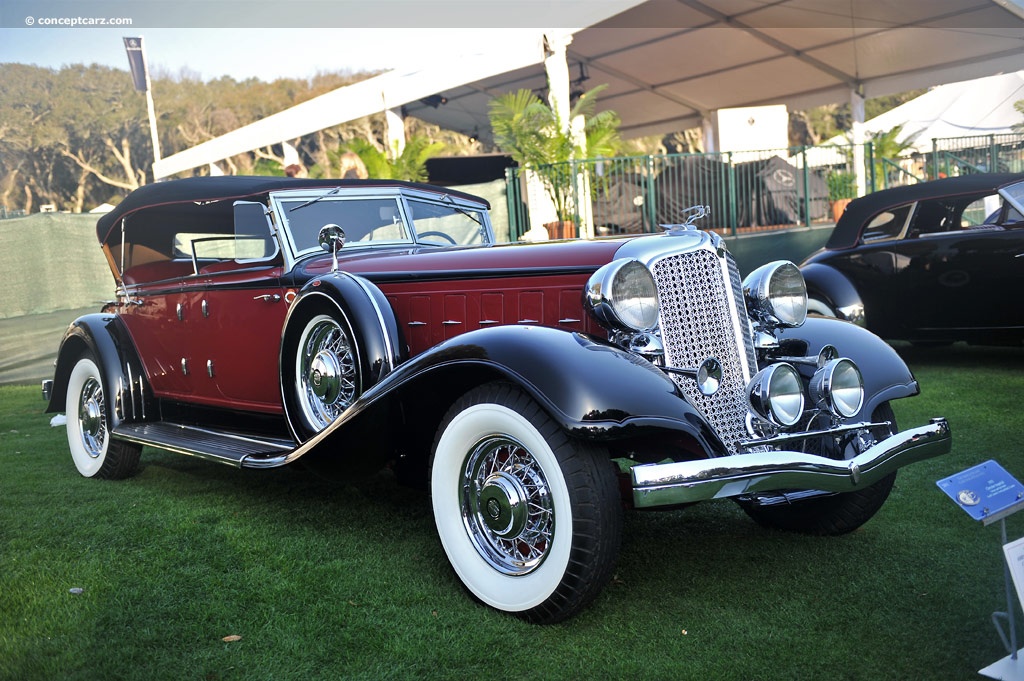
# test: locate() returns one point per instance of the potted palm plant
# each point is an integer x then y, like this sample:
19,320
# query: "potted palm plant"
842,188
530,131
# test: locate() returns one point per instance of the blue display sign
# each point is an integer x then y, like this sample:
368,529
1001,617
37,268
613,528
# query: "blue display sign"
986,492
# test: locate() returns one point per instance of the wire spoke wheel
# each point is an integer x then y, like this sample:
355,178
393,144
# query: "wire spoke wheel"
326,371
507,506
529,518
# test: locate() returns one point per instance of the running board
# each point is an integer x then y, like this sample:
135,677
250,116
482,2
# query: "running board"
212,445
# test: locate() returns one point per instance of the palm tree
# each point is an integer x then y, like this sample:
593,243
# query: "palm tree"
410,165
531,132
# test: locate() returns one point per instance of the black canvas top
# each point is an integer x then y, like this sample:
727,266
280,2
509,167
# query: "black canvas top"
235,188
861,210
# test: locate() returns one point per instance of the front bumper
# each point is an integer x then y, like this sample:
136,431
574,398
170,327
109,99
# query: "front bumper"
730,476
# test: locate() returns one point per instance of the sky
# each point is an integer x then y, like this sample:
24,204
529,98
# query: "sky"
269,39
261,53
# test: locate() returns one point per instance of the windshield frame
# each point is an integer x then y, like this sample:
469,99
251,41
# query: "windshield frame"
289,203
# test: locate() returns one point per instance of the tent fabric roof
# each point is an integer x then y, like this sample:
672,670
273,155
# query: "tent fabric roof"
669,63
984,106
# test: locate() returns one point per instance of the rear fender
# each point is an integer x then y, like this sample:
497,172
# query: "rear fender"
106,338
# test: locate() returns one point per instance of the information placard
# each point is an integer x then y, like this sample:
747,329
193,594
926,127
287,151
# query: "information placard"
986,492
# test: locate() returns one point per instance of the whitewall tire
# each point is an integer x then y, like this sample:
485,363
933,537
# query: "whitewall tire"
530,519
95,453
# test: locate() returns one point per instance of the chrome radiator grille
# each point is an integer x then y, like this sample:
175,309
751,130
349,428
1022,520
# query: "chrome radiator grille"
702,315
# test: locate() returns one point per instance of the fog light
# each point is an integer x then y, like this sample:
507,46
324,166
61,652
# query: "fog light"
838,387
776,394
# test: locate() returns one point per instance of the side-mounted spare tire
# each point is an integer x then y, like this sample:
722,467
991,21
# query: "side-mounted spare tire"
340,339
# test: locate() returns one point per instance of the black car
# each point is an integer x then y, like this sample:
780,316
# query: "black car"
935,262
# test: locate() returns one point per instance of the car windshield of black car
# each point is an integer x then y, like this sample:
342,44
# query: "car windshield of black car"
1014,194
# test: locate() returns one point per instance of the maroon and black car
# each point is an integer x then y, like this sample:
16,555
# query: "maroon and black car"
535,389
934,262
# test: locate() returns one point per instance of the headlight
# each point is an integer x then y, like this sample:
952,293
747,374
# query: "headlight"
622,295
838,387
776,394
776,294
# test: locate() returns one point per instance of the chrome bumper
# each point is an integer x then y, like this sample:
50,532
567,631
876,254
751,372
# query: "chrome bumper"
729,476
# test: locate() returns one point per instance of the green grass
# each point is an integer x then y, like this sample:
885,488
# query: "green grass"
328,582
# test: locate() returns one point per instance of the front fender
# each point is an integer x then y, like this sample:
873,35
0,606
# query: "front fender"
886,375
593,389
838,291
106,338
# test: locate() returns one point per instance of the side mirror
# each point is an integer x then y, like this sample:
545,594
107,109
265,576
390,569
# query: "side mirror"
331,239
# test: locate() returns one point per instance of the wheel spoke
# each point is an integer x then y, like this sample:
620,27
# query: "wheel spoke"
506,505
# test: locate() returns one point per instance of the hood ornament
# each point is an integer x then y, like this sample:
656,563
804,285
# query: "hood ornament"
691,215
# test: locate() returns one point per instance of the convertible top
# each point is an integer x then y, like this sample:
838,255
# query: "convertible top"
860,211
236,188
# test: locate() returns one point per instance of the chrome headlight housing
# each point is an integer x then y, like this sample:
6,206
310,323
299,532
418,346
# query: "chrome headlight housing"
777,294
776,394
622,295
838,387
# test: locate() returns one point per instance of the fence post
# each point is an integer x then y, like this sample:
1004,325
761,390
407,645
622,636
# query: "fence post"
935,158
650,204
515,229
731,184
807,187
993,155
871,163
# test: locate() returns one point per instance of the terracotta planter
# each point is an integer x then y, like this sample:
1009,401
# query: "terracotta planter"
561,229
838,206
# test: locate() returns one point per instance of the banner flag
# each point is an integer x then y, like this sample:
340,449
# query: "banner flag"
137,63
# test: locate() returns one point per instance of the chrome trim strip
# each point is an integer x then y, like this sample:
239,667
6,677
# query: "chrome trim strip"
729,476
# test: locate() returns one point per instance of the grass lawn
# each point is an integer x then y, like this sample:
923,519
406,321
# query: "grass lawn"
325,581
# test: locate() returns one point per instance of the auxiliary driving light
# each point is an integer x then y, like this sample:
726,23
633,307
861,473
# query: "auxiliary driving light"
776,394
838,387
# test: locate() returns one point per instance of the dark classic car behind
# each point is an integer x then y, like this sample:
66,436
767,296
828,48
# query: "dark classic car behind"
535,389
934,262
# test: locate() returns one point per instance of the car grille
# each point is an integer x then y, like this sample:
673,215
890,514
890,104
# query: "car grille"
702,316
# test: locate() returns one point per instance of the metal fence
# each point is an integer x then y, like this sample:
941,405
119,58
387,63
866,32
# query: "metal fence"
5,213
747,191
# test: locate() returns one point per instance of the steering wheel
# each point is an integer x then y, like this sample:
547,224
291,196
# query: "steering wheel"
446,237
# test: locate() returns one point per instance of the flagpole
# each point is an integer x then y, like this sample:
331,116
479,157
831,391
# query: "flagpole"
140,77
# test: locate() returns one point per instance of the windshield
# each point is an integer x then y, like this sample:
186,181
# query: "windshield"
365,220
447,224
1014,193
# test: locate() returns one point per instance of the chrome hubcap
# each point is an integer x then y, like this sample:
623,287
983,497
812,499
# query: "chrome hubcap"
326,372
506,505
325,377
91,418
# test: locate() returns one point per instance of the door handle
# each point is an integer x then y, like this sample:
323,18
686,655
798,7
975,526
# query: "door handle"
268,297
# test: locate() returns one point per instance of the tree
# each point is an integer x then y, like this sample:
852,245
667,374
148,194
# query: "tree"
531,132
410,165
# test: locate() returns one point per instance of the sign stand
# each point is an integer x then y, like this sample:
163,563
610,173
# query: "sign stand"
989,494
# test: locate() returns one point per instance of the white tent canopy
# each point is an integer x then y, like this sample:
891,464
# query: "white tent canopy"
984,106
669,64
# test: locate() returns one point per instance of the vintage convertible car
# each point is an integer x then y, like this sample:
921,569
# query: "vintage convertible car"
535,389
934,262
